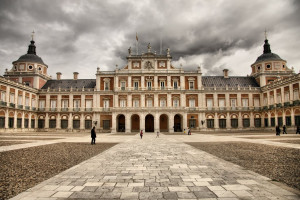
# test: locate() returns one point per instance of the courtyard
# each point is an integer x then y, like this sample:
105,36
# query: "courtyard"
210,165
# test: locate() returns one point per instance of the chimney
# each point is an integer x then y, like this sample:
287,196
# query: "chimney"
58,75
75,75
225,73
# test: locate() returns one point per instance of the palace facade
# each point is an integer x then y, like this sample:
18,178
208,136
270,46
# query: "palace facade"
149,93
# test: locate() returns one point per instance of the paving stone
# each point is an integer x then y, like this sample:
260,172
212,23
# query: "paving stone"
62,194
178,189
129,195
170,195
186,195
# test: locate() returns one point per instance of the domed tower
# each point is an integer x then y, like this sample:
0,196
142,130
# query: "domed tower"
29,69
269,66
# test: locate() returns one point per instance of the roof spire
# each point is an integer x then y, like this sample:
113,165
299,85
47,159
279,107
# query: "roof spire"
32,47
267,47
32,35
266,34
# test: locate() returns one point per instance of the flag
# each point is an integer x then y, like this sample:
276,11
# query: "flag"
137,39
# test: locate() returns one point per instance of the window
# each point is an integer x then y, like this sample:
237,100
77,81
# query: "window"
246,123
123,85
122,103
33,102
266,122
149,102
53,104
192,103
191,85
162,85
26,101
271,100
106,124
106,103
265,101
278,98
88,124
20,99
10,122
222,123
233,103
149,85
175,85
288,121
280,123
12,98
286,96
268,66
52,123
3,96
162,103
2,122
296,94
42,104
106,86
19,123
26,123
41,123
88,103
222,104
272,121
136,85
256,102
64,124
76,124
176,103
65,103
136,103
210,123
257,122
76,103
30,67
32,123
209,103
234,123
245,102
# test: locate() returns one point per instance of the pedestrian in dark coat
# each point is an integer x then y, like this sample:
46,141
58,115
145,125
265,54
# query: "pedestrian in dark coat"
141,134
298,130
284,130
93,135
277,130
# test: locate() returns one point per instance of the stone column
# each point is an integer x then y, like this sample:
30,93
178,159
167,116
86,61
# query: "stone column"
227,101
58,121
59,102
129,83
292,117
215,101
291,93
47,121
129,97
6,119
239,100
269,119
182,82
142,82
116,83
70,121
47,102
113,123
82,102
156,103
82,122
251,103
142,122
156,87
15,119
169,100
127,123
23,116
169,82
116,101
142,100
182,100
171,123
251,120
156,122
71,102
240,121
216,121
282,95
29,120
283,118
228,124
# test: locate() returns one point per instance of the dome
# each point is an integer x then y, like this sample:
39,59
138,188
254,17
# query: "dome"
30,58
31,55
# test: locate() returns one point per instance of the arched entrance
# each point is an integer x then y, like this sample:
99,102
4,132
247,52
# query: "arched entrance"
177,123
163,123
121,123
135,123
149,123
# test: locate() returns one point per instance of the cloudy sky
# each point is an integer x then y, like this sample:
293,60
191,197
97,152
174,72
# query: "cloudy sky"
74,35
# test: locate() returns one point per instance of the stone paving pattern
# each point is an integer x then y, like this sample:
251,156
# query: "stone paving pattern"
157,168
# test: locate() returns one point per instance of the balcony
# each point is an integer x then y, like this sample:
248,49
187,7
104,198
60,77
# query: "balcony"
27,108
3,103
20,106
278,105
136,88
271,107
64,109
41,109
221,108
257,108
106,109
245,108
287,104
52,109
89,109
192,109
162,88
149,88
33,108
265,108
12,105
210,108
76,109
296,102
123,88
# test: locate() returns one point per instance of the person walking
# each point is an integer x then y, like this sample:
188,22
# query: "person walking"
93,135
141,134
277,130
157,134
284,130
298,130
184,131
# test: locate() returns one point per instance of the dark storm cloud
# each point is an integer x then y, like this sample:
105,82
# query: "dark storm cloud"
81,35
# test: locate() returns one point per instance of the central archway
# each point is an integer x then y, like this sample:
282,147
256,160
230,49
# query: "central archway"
121,123
149,123
177,123
135,123
163,123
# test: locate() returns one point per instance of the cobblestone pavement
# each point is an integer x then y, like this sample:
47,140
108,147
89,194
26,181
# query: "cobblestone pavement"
156,168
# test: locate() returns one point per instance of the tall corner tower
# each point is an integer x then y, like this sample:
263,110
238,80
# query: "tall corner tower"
29,69
269,67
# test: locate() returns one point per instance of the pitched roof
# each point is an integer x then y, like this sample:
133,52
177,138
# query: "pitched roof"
232,81
68,83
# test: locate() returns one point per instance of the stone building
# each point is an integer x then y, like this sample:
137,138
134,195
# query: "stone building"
149,93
